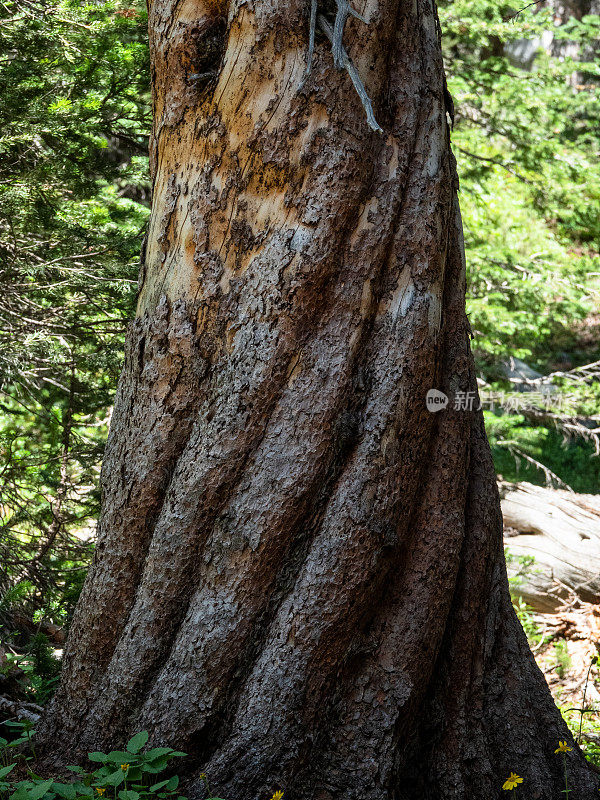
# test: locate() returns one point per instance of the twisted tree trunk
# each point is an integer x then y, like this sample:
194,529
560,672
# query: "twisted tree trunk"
299,576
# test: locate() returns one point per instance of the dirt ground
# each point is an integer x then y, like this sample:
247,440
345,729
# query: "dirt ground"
566,646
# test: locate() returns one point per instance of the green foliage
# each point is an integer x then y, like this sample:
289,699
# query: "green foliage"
563,659
129,774
527,143
571,458
36,670
524,565
582,717
526,619
25,736
584,722
524,613
44,662
538,125
74,115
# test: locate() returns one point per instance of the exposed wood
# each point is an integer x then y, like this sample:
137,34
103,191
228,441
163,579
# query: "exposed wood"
17,710
561,531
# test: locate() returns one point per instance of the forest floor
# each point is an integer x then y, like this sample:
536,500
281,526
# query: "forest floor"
566,646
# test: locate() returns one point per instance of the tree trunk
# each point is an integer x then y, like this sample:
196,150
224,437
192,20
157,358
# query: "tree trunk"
299,576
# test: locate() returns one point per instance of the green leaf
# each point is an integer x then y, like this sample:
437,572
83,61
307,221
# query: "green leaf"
128,795
19,794
5,770
159,763
119,757
115,778
135,744
66,790
39,790
158,786
103,771
82,789
97,757
157,752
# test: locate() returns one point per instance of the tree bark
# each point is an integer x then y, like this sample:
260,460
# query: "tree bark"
299,576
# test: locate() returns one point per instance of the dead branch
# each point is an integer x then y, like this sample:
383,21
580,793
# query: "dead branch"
18,709
354,76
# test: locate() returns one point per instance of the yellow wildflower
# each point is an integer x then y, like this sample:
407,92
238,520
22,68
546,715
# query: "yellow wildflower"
203,776
512,781
278,795
124,767
562,748
100,790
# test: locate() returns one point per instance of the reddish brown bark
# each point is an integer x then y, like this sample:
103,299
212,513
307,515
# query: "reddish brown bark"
299,576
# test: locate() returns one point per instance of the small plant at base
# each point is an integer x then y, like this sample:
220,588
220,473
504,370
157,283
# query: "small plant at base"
511,783
564,749
4,771
593,663
5,756
26,735
563,659
123,774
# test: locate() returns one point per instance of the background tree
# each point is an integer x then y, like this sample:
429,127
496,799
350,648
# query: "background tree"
74,83
527,144
299,574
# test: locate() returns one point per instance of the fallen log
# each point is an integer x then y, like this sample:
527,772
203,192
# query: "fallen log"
23,622
560,530
19,710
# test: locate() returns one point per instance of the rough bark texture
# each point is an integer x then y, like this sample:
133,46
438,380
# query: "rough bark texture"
299,576
561,531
